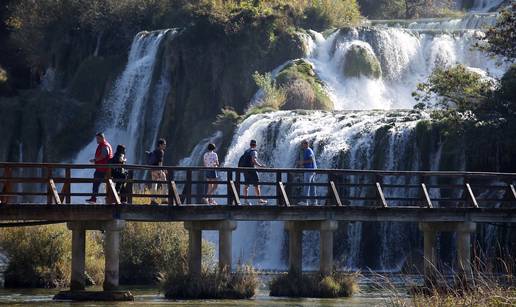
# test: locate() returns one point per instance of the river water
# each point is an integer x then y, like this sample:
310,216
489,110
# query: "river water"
145,297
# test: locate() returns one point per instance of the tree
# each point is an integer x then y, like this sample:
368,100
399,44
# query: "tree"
501,39
456,88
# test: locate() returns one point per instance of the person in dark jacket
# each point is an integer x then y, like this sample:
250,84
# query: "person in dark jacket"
120,174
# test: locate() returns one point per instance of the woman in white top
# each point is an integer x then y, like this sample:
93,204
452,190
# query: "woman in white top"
211,160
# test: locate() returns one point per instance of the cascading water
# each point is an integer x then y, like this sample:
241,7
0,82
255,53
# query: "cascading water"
131,114
407,54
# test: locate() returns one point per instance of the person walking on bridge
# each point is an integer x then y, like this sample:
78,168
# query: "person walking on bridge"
103,155
250,159
211,159
155,158
308,162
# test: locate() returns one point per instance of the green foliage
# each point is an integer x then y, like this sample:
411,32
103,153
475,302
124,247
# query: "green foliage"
315,285
323,14
361,61
40,256
273,95
303,89
147,250
453,88
501,38
212,284
396,9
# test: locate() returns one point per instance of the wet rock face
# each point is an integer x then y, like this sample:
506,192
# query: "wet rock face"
211,67
361,61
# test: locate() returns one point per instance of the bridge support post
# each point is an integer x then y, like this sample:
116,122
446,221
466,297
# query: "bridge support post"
111,251
326,262
295,247
225,229
225,244
78,278
463,244
430,257
463,232
112,254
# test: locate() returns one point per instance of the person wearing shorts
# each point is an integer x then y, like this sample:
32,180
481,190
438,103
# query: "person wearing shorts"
211,159
251,177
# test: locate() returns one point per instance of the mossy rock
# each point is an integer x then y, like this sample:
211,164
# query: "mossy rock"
303,89
361,61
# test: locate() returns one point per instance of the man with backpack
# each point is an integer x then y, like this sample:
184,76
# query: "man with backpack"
155,158
250,159
103,155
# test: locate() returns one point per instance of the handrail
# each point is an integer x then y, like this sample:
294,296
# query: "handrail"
263,170
376,186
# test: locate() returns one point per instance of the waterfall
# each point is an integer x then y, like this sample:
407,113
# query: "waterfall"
407,56
133,109
359,135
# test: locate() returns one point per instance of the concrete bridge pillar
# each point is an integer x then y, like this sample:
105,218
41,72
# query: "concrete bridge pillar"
225,244
78,280
463,244
112,254
295,247
462,231
225,229
326,262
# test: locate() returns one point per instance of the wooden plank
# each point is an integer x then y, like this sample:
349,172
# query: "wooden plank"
113,197
335,194
53,192
188,187
471,196
173,195
129,187
380,195
426,196
284,198
234,194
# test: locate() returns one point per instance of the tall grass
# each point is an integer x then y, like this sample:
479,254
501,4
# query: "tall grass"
149,250
211,284
485,287
314,285
40,256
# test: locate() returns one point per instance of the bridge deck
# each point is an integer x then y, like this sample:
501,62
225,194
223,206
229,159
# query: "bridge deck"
161,213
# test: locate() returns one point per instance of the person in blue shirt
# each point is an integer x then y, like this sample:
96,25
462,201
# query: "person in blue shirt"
308,162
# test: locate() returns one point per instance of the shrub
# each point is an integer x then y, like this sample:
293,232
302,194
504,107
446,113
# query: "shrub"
314,285
273,95
149,250
212,284
40,256
323,14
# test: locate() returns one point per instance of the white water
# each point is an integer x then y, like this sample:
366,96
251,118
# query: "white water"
407,57
408,54
333,135
130,108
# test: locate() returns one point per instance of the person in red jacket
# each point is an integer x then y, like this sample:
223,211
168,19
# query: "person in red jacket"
103,154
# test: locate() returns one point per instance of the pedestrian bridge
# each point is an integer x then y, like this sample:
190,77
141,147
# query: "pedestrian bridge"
39,193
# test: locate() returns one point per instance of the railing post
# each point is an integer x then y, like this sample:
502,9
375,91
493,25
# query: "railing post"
279,195
188,186
66,190
129,187
230,192
49,190
7,185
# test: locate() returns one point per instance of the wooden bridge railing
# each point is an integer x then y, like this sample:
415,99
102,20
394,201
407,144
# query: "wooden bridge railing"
71,184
